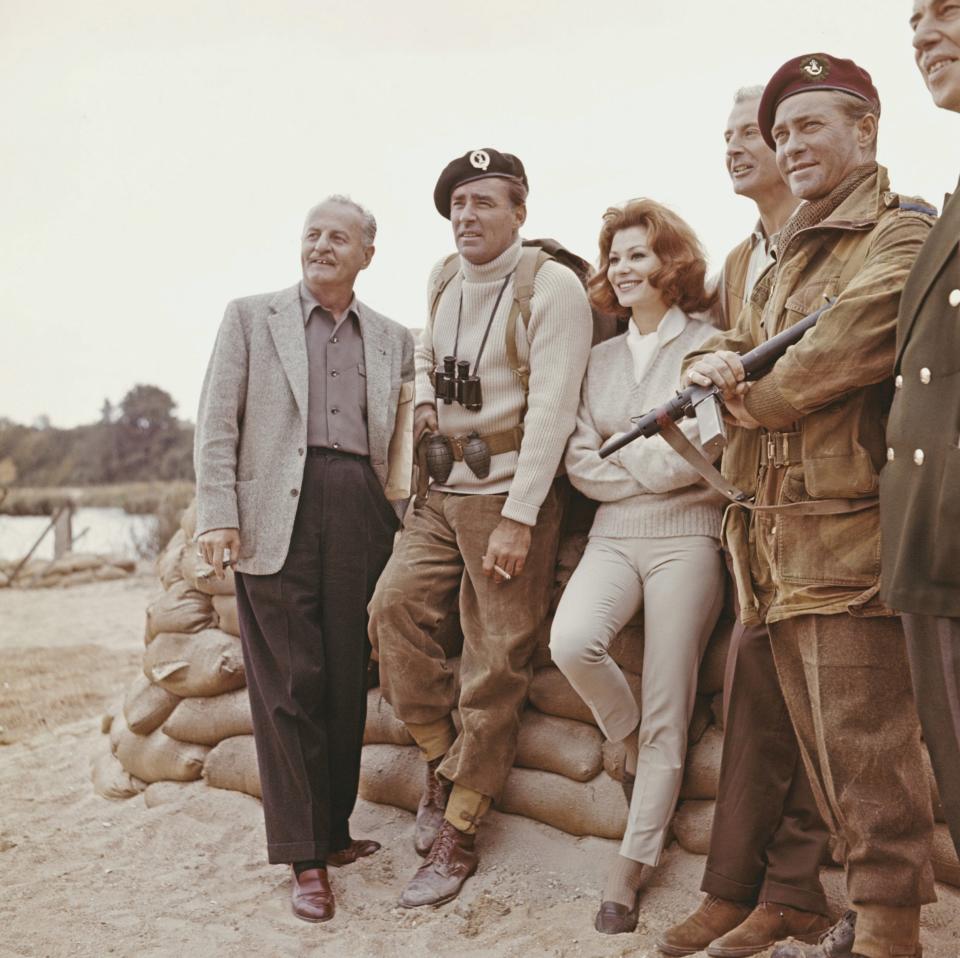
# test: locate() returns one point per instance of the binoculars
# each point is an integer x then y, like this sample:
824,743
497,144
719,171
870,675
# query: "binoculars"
453,382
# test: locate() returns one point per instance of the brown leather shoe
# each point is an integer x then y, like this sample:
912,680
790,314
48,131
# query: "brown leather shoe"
714,917
616,919
835,942
451,861
767,924
311,895
358,848
433,803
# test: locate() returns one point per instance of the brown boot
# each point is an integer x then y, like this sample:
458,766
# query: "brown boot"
451,861
836,942
714,917
767,924
433,803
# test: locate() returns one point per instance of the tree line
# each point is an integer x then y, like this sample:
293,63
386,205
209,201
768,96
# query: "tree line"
138,440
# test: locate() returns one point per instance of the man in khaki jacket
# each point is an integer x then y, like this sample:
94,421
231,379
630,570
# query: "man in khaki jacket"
809,446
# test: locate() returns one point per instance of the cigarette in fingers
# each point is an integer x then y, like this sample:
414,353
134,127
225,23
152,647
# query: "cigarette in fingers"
502,572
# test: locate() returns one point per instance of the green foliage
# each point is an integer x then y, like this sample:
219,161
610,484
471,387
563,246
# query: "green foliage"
138,441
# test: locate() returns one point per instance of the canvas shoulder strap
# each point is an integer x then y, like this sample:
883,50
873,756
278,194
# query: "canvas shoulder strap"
531,259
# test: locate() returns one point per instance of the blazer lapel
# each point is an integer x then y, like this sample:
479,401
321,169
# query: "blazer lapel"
378,360
940,245
286,328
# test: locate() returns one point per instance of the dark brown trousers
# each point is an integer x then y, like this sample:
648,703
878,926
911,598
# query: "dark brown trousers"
847,685
933,647
768,838
304,635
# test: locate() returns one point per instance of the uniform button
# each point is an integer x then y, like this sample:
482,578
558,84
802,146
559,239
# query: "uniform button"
898,382
890,454
925,375
954,297
334,410
334,373
300,452
294,493
773,531
336,445
918,456
334,340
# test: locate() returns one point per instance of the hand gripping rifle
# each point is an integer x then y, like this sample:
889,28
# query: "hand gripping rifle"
704,402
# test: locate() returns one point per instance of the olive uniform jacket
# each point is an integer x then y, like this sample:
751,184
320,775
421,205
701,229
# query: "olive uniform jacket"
822,407
251,439
920,484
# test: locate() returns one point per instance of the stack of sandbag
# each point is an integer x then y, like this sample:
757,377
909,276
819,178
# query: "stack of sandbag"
74,568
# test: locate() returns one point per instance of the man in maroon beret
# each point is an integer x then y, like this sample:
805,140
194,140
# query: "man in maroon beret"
807,444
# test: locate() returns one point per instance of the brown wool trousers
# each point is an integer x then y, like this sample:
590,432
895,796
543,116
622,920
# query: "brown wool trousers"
768,838
438,556
847,686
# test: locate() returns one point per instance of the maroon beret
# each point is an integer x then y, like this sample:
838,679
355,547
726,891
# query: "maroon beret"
812,71
475,165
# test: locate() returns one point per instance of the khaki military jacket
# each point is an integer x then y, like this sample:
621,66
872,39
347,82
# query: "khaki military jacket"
920,484
822,407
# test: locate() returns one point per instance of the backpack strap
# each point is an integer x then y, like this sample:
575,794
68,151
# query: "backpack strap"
531,259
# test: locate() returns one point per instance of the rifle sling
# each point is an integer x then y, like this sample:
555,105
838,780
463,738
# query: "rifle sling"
815,507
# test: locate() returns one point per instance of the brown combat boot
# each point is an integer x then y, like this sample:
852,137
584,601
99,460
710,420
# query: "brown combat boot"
767,924
713,918
433,803
451,861
836,942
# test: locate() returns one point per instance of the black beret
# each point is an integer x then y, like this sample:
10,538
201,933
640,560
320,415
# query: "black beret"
475,165
812,71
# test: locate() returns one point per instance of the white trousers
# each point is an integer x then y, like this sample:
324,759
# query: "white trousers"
679,582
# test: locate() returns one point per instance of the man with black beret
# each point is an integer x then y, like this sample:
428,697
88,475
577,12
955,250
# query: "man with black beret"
807,445
499,367
920,484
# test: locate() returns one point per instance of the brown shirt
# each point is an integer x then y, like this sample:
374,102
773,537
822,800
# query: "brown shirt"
337,392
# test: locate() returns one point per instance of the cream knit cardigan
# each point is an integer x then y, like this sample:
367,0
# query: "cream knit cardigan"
646,490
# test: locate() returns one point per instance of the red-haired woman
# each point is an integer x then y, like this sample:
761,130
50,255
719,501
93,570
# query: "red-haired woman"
655,538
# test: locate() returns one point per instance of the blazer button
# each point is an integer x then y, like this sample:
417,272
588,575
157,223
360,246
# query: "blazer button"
918,457
891,455
898,382
954,298
334,410
925,375
294,493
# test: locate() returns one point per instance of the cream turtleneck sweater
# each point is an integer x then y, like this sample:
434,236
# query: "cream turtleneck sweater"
555,345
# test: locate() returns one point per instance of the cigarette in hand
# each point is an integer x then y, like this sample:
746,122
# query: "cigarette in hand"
502,572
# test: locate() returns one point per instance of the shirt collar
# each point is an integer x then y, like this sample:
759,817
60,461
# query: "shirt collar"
309,302
672,324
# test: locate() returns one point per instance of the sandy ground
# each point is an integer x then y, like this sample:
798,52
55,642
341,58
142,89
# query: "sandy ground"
82,876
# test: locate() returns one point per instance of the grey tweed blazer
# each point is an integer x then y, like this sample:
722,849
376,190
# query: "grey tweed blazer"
251,437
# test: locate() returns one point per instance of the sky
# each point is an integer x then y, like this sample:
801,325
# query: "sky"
156,160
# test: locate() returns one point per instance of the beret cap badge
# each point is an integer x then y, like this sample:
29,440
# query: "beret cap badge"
814,68
480,159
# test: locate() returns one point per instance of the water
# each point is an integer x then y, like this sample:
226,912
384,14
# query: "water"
108,531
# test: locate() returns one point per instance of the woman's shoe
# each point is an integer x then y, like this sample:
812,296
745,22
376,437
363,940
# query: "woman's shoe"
616,919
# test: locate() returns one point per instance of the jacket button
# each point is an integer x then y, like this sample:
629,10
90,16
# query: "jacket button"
918,457
925,375
300,451
294,493
891,455
954,297
898,382
334,410
334,373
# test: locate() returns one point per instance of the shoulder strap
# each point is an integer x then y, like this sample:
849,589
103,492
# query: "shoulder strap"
531,259
450,268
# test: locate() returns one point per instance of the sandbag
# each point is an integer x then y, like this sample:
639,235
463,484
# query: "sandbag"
626,649
111,780
228,620
156,756
551,693
716,710
692,824
383,727
188,522
205,663
551,744
714,664
946,867
118,728
392,775
200,576
701,719
179,609
233,765
147,706
597,807
211,719
168,562
701,771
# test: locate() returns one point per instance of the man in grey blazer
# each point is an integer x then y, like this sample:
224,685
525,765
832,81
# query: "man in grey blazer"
304,435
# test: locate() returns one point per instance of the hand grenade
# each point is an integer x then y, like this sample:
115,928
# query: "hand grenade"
439,458
476,454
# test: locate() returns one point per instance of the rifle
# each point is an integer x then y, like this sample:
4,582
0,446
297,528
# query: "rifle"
704,402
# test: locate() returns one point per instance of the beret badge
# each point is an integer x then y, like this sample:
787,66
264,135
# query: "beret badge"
813,68
480,159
